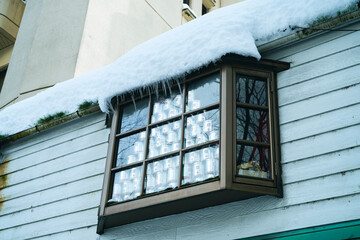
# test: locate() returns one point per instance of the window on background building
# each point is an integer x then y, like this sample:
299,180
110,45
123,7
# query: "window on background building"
209,140
203,10
2,78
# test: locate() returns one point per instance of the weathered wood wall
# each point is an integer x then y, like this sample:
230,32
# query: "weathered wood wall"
54,178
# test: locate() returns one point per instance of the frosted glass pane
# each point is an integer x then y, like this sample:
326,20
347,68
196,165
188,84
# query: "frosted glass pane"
202,127
162,174
203,92
127,184
167,107
165,138
201,164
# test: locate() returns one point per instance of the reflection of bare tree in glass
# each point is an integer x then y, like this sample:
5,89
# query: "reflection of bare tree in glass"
252,124
133,120
126,148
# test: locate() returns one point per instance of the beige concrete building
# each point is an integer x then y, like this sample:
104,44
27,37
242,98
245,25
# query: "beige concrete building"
59,40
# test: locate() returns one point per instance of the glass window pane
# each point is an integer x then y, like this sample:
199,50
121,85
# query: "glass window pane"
201,164
134,116
202,127
162,174
167,106
252,125
203,92
165,138
253,161
127,184
131,149
251,90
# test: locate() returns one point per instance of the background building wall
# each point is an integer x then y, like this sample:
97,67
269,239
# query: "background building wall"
125,25
62,39
46,49
11,12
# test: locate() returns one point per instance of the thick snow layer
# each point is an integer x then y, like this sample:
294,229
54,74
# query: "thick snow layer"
234,29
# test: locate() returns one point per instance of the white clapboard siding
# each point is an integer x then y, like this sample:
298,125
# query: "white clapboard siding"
58,164
73,189
320,166
319,67
320,85
333,47
57,134
49,226
320,144
86,233
313,190
58,150
310,43
50,210
329,121
58,178
53,143
324,103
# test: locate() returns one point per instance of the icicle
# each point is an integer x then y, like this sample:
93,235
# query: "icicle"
133,99
157,90
141,93
164,87
178,84
169,86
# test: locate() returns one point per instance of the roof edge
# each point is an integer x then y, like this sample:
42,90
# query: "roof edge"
326,26
51,124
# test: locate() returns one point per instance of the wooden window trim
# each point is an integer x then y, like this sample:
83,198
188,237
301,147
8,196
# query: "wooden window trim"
228,187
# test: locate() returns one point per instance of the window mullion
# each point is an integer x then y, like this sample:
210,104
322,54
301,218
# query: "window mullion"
182,136
143,174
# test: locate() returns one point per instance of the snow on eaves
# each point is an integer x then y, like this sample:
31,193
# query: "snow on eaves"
237,29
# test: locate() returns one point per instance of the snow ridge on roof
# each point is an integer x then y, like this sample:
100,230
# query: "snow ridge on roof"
238,29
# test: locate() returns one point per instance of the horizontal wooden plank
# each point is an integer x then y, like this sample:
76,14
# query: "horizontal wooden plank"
77,133
88,233
58,224
331,47
319,67
321,123
53,194
55,209
57,164
57,132
60,150
307,43
321,144
320,85
56,179
58,208
327,164
320,104
321,188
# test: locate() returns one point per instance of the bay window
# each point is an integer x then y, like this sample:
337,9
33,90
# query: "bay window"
210,139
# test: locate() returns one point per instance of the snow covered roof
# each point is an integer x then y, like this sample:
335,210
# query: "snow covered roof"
238,29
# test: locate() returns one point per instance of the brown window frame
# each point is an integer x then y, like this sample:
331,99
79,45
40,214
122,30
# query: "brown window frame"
227,187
